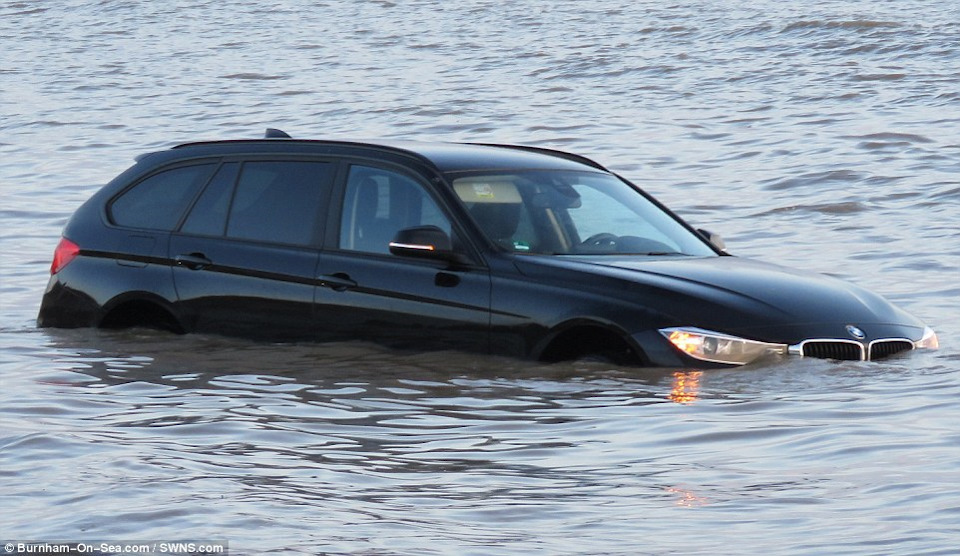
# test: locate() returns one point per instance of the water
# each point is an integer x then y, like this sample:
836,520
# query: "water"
822,135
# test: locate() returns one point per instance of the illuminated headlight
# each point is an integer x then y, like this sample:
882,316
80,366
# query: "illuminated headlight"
928,341
717,347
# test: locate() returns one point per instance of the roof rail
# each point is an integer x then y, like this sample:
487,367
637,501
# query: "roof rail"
273,133
549,152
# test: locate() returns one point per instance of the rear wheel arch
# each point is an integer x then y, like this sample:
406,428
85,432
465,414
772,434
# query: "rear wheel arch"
583,339
141,309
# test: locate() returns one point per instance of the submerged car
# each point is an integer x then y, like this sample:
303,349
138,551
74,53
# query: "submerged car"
500,249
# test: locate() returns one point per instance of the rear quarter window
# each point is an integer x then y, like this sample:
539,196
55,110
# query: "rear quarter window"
159,201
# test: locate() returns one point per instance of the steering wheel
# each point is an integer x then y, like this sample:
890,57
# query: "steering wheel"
603,239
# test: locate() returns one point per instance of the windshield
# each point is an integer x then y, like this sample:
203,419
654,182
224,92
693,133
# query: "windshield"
567,213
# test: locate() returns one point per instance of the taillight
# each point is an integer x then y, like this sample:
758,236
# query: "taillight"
66,251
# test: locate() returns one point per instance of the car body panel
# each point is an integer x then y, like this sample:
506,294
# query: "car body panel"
403,303
247,289
733,294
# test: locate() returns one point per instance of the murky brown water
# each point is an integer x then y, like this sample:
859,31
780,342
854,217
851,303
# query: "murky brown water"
820,135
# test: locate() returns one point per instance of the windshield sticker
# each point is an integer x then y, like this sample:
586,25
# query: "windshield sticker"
483,191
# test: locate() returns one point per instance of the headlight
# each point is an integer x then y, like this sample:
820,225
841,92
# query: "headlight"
717,347
928,341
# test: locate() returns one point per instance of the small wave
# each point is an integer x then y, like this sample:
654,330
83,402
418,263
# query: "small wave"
847,207
427,46
816,178
950,194
709,136
51,123
893,137
25,9
672,29
830,25
739,33
948,97
878,145
252,77
879,77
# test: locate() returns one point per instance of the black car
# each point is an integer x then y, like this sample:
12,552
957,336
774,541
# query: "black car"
498,249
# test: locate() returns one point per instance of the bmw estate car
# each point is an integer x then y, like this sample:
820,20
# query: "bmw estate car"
508,250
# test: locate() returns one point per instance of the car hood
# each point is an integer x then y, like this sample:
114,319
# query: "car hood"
739,296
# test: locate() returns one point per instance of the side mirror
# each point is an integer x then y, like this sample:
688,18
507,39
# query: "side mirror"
425,242
714,239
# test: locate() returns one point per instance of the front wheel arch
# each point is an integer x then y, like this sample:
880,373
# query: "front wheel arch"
590,341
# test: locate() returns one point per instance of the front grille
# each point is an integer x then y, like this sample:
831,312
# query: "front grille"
886,348
832,349
847,350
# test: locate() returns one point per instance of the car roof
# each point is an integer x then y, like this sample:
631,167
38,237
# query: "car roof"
446,157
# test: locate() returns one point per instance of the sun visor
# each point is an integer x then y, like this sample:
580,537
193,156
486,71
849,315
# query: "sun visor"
486,190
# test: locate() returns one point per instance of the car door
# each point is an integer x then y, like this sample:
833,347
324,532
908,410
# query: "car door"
246,255
366,293
141,218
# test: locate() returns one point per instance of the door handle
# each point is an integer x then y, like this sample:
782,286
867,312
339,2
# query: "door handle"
446,280
338,282
193,261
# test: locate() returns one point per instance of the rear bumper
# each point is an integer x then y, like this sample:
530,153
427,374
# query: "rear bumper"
65,307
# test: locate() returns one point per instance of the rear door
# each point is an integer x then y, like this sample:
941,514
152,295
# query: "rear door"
246,255
368,294
141,218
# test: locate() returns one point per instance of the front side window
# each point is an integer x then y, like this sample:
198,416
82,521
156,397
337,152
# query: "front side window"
279,201
378,203
567,213
158,202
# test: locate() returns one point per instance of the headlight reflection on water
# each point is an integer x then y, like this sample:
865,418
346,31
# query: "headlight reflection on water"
686,387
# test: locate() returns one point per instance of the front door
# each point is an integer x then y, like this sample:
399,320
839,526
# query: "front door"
368,294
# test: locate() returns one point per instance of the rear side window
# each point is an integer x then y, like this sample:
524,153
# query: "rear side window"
279,201
158,202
